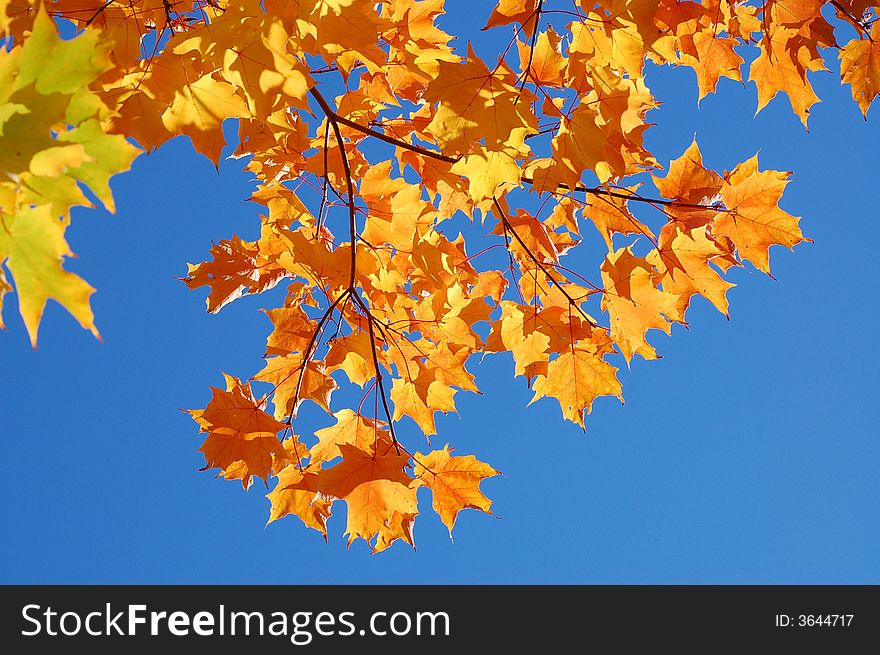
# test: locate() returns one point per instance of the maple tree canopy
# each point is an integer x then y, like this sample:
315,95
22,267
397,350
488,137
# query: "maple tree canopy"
367,127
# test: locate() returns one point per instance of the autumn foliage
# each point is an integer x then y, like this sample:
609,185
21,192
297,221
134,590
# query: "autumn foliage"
368,128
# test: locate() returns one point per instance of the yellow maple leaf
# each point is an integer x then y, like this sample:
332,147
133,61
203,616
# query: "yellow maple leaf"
754,221
373,485
350,429
634,303
286,499
476,103
200,104
516,331
714,57
575,379
33,246
683,259
293,382
860,68
454,482
543,62
581,145
489,172
780,66
611,215
420,397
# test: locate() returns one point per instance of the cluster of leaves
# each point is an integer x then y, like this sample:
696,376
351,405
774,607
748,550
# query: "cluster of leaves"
52,140
379,293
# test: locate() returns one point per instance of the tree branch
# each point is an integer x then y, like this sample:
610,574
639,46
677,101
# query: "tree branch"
596,191
502,215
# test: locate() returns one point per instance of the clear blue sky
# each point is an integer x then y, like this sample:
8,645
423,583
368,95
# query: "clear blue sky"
748,454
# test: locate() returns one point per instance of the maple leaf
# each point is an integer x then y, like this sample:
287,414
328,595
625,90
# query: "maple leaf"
488,172
294,381
714,57
53,65
789,50
420,397
352,353
575,379
683,260
544,61
611,215
454,482
237,269
516,331
374,486
200,104
860,68
754,221
239,430
692,185
16,17
780,72
580,145
342,31
288,500
293,331
350,429
613,33
688,179
477,104
32,245
634,303
399,527
398,215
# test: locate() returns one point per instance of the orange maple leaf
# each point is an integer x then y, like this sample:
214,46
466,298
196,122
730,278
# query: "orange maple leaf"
454,482
239,430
